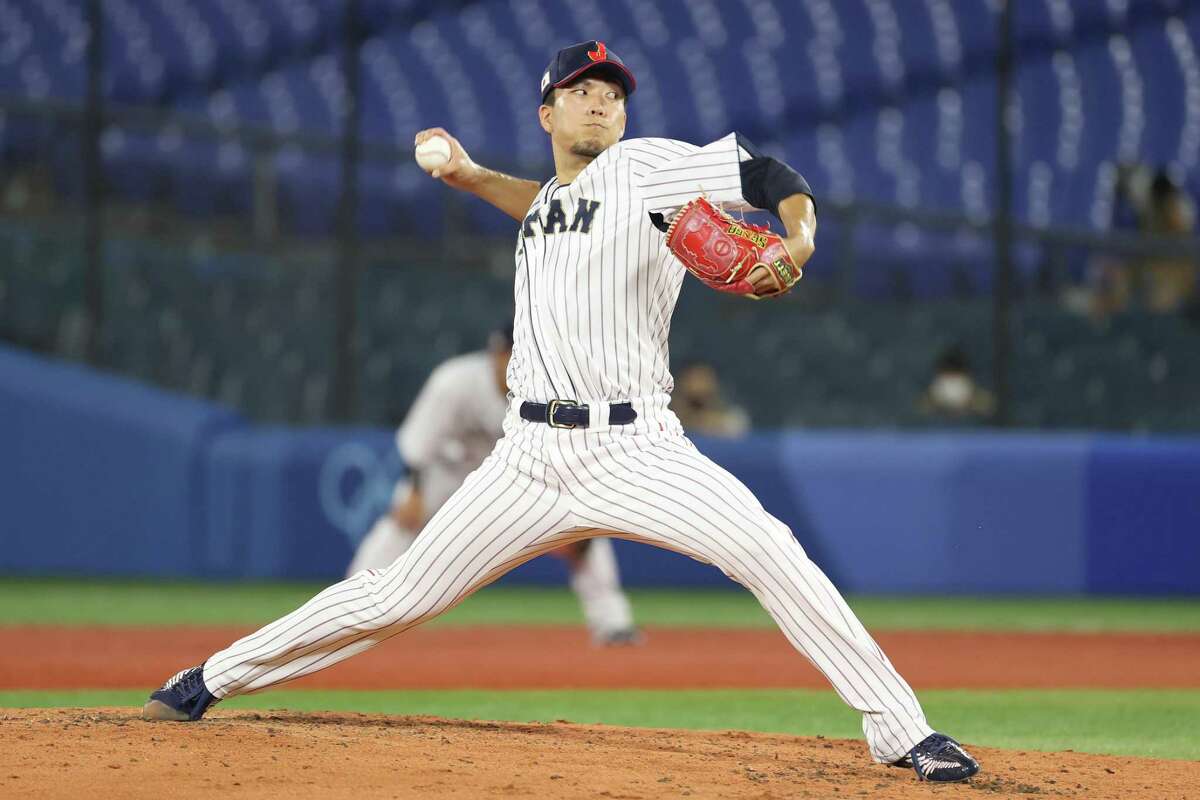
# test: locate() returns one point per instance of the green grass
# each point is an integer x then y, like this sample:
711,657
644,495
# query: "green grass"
114,602
1158,723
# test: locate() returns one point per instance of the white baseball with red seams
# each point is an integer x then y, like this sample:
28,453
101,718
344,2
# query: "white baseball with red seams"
432,153
594,293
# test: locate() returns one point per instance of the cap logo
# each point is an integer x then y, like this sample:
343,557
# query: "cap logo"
599,54
545,80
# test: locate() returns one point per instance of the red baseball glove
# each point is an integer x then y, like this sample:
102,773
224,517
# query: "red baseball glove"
722,252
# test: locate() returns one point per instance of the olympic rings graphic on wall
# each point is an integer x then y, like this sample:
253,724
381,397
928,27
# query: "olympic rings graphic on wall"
354,487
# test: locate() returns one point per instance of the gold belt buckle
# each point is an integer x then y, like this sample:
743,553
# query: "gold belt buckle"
554,406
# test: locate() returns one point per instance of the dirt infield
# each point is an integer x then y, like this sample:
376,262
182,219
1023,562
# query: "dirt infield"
560,657
72,753
63,753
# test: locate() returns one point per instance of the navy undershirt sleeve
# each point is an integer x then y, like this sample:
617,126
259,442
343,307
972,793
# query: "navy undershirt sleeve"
767,181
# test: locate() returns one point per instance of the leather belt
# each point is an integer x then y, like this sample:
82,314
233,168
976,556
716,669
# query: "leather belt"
569,414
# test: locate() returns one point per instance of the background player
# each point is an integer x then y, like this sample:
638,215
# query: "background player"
452,426
590,446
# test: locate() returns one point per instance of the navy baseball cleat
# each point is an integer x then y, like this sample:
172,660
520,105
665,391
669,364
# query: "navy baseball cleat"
183,698
939,758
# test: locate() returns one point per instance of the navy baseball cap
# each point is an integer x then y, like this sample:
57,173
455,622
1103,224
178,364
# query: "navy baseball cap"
573,61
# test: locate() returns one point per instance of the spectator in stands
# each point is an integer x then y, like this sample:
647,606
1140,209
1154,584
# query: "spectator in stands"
701,406
1153,204
1169,282
1110,275
953,392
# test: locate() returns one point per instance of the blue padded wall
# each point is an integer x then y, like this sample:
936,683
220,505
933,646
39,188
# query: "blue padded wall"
103,476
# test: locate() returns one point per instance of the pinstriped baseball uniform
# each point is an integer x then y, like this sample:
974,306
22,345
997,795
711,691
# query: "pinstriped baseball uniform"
452,426
595,290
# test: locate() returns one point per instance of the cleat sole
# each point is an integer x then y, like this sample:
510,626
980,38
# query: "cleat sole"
158,711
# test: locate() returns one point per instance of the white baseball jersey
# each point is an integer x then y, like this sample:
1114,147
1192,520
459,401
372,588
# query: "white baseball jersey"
592,322
595,290
453,425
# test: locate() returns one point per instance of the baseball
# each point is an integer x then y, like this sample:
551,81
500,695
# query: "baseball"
432,153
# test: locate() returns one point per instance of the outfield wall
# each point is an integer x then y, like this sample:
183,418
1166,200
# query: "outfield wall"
103,476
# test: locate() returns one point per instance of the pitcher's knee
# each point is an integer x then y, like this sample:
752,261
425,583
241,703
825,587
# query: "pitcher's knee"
396,602
769,551
407,615
774,541
778,539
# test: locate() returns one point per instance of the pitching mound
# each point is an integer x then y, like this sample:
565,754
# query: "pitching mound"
73,753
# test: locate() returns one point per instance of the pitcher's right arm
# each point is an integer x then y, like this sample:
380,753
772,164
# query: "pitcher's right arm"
511,195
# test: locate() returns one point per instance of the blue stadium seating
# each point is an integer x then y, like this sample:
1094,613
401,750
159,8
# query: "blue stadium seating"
876,100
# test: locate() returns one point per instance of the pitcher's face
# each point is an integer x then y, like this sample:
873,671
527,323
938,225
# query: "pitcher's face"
587,117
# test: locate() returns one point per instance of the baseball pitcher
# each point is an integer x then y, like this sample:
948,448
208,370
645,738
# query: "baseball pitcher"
590,447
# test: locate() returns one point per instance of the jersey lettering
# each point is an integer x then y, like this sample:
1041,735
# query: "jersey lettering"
527,225
584,213
556,218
